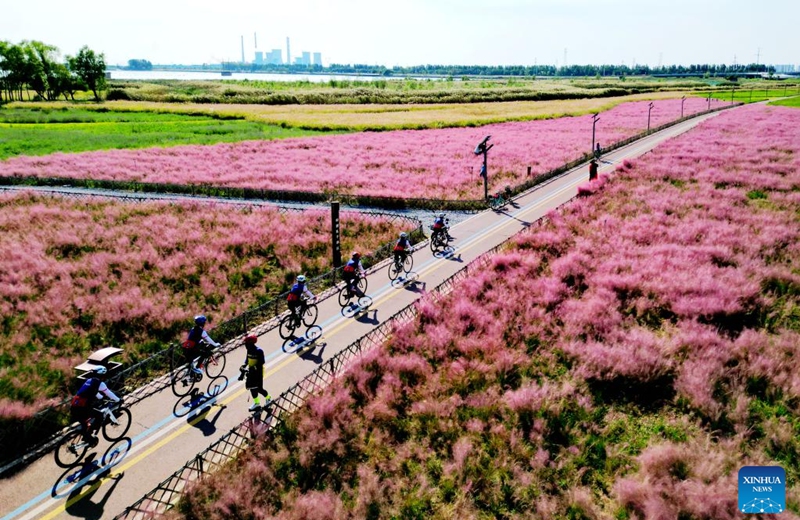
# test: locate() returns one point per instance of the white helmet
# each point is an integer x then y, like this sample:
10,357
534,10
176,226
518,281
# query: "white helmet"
403,235
301,278
100,370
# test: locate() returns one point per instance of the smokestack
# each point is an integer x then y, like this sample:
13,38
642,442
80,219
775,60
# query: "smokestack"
288,52
255,39
243,48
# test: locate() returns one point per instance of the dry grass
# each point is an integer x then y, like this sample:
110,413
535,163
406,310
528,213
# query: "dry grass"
389,117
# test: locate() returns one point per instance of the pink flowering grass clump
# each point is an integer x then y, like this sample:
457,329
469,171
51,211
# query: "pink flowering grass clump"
437,164
621,359
77,275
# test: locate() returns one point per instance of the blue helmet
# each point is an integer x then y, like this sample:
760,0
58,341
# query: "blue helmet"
200,320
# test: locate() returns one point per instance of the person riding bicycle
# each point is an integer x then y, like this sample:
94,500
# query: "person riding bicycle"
82,407
198,343
401,248
351,271
295,299
440,225
252,371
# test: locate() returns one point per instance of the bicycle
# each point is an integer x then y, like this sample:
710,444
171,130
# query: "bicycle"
359,289
183,378
115,422
438,240
305,315
401,264
496,201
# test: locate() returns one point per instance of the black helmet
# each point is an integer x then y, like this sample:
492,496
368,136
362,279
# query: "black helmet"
200,320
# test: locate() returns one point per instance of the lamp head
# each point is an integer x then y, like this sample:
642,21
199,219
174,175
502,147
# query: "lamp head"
482,145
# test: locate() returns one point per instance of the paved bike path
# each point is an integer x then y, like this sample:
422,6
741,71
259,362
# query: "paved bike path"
166,433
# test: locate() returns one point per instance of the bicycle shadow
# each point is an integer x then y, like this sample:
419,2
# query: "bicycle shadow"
204,424
525,223
450,254
410,282
81,505
191,402
363,317
90,473
309,354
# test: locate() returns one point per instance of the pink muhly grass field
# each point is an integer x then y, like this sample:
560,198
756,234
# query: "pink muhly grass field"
625,357
437,164
77,275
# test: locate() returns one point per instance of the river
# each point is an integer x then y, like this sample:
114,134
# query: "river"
252,76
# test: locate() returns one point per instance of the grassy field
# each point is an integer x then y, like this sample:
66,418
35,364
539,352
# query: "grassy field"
378,117
756,92
43,129
622,359
790,102
78,275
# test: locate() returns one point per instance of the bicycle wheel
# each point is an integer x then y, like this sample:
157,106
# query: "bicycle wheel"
310,315
344,297
71,450
408,263
435,241
182,380
287,326
215,364
362,286
176,358
115,431
395,268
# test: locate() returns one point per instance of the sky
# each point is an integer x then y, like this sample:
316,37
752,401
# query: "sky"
414,32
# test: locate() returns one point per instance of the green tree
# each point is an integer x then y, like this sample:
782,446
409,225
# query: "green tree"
90,68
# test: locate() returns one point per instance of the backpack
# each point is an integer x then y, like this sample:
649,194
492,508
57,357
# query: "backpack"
350,268
86,392
192,339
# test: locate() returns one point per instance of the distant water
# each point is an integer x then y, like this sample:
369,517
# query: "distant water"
186,75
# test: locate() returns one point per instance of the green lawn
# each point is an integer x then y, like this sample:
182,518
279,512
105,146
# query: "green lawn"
746,94
37,131
790,102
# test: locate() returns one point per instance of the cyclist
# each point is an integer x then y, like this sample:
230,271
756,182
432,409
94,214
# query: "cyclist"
440,225
401,248
351,271
82,408
253,372
198,343
295,299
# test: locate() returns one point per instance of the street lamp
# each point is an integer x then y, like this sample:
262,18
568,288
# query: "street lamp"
709,100
683,99
595,119
483,149
649,108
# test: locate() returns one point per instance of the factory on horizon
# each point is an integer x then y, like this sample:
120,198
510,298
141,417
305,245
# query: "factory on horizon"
275,56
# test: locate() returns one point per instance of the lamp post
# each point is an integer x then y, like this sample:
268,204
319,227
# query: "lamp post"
595,119
732,90
649,108
483,149
683,99
709,100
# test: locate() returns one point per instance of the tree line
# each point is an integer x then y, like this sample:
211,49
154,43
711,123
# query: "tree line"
698,70
551,70
38,67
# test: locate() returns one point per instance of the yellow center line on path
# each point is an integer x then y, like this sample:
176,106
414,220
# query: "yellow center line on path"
472,242
111,476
